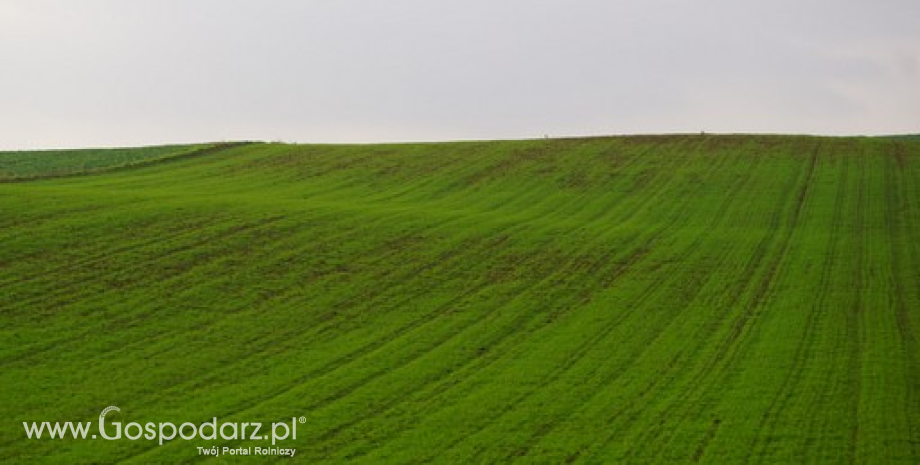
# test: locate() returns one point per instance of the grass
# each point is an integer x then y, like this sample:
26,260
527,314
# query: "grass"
712,299
22,165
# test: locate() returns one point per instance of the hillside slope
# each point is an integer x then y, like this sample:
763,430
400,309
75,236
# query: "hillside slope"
715,299
29,165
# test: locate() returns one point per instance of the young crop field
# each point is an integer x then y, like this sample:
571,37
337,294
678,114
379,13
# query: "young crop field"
653,299
54,163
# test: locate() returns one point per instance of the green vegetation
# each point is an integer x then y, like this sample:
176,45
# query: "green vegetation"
54,163
713,299
906,136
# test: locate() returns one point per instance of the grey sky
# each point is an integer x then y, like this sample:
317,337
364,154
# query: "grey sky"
131,72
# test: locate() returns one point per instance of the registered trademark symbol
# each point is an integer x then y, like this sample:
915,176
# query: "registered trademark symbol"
303,420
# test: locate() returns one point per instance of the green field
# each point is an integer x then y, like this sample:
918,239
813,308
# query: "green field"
56,163
653,299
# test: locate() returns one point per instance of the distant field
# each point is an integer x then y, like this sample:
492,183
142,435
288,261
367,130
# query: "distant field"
50,163
907,137
654,299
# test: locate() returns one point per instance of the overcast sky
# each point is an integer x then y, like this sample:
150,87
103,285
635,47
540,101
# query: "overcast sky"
131,72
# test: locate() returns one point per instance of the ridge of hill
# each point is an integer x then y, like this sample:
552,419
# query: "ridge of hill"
39,164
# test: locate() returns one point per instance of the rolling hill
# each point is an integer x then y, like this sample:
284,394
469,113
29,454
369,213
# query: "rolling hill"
642,299
27,165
